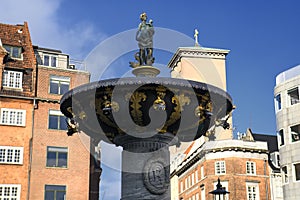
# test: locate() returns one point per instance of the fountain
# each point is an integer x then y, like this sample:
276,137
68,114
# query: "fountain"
145,115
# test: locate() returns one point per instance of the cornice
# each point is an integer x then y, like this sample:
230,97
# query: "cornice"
197,52
192,159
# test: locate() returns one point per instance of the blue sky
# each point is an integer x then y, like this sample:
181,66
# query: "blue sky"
262,36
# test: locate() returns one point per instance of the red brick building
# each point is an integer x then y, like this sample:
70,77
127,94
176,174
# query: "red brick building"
242,167
37,158
17,92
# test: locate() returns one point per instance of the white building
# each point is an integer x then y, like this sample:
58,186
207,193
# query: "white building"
287,108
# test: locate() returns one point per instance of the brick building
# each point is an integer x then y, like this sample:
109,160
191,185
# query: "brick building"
60,164
17,92
37,158
242,167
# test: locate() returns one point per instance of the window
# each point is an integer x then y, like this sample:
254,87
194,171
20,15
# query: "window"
220,167
57,120
202,193
250,168
55,192
277,103
57,157
295,132
59,84
181,186
186,184
196,176
12,79
14,52
193,178
285,175
10,191
297,171
50,60
293,96
13,117
252,191
275,158
11,155
280,137
202,172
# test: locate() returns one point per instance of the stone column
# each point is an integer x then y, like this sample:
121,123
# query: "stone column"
145,167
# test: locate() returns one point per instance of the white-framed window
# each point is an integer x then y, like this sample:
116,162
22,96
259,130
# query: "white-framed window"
11,155
277,102
295,133
250,168
202,172
50,60
14,117
59,84
252,191
10,191
296,171
202,193
193,178
186,184
14,51
280,137
196,176
57,157
197,196
12,79
220,167
181,186
285,175
293,96
275,158
57,121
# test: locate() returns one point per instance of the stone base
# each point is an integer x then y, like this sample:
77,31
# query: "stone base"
145,71
146,167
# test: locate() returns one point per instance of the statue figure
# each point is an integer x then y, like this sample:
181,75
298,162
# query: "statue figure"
144,36
196,37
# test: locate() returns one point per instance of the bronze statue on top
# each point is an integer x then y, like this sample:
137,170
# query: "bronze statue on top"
144,36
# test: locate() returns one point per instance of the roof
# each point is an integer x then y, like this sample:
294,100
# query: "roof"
270,139
288,74
46,49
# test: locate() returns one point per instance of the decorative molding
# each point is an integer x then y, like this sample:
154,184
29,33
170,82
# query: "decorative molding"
197,52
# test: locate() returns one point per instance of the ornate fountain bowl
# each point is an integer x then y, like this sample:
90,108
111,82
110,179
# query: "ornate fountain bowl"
146,106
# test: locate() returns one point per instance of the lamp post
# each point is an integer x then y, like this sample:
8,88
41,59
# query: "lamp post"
219,192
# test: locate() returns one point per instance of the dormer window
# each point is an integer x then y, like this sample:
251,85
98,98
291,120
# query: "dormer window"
14,51
50,60
12,79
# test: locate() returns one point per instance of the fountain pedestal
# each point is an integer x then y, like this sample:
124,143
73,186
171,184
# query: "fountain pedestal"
145,167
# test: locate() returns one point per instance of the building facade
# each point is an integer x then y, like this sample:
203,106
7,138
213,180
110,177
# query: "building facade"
37,158
207,65
17,92
287,109
242,167
60,164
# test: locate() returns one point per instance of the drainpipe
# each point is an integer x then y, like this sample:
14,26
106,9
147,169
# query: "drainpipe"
266,179
30,149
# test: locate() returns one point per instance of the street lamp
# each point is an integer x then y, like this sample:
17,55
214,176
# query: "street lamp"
219,192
